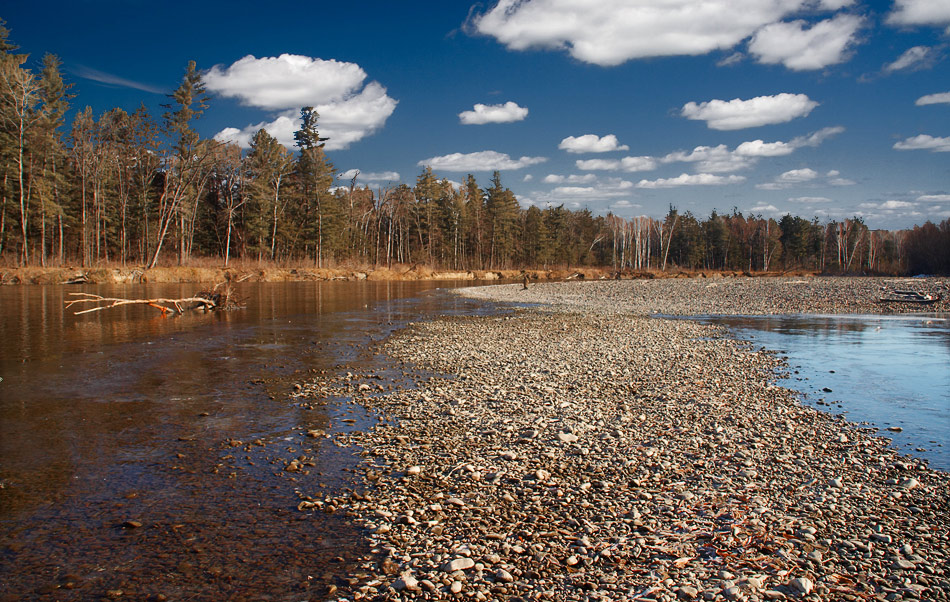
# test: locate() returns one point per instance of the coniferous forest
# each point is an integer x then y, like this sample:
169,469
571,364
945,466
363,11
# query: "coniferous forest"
141,189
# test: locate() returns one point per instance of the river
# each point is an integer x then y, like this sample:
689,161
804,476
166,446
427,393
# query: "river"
888,372
119,475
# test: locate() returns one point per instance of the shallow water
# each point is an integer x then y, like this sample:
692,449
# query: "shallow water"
889,371
122,418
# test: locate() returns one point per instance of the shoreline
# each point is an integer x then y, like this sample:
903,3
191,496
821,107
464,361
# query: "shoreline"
585,451
251,272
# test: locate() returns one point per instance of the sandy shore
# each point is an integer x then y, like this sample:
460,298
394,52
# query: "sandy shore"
594,453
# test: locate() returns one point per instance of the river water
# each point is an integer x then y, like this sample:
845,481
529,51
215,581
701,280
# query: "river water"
891,372
116,471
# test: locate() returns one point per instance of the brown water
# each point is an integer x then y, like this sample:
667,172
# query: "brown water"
124,417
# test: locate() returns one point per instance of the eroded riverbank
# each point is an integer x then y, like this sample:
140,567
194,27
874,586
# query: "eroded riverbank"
588,454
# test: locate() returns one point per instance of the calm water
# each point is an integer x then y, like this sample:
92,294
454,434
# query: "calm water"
890,371
125,415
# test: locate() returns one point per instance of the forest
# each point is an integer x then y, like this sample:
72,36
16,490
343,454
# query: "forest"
137,189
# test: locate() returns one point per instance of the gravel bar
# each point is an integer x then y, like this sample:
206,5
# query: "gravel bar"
585,451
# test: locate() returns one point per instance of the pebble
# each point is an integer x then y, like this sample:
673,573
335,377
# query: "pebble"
459,564
595,453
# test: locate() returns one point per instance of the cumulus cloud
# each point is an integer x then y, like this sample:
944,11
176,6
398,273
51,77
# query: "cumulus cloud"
479,161
611,32
700,179
934,99
764,209
925,142
590,192
571,179
720,159
482,114
913,59
810,199
369,176
920,12
609,189
349,111
798,175
711,159
805,177
934,198
803,48
625,164
737,114
286,81
638,164
892,204
758,148
592,143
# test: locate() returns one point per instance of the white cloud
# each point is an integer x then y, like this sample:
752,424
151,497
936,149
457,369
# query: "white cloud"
527,178
571,179
920,12
810,199
801,48
638,164
700,179
591,143
115,80
816,138
720,159
798,175
764,209
934,198
610,32
482,114
738,114
349,111
835,4
841,182
625,164
711,159
479,161
758,148
918,57
286,81
933,99
804,176
925,142
382,176
598,164
888,205
282,128
599,190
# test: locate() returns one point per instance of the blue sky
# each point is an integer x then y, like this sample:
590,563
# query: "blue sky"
827,108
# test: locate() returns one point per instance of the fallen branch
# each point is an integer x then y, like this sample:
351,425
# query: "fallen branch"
164,305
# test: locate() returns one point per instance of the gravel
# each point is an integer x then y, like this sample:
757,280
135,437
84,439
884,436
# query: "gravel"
584,451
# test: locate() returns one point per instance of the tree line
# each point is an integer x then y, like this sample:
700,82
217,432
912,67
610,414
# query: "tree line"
132,188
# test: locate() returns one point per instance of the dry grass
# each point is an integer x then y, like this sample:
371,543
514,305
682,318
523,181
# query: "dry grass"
213,271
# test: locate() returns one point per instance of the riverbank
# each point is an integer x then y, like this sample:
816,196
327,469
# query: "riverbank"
255,273
593,453
727,296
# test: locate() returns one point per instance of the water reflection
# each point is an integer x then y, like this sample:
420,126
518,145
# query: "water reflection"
890,371
122,417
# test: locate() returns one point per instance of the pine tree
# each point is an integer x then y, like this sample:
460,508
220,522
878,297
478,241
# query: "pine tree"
187,168
314,175
268,163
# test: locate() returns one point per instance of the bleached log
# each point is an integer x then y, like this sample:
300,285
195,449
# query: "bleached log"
164,305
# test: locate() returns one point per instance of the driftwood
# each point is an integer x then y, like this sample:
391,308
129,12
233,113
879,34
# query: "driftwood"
203,301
